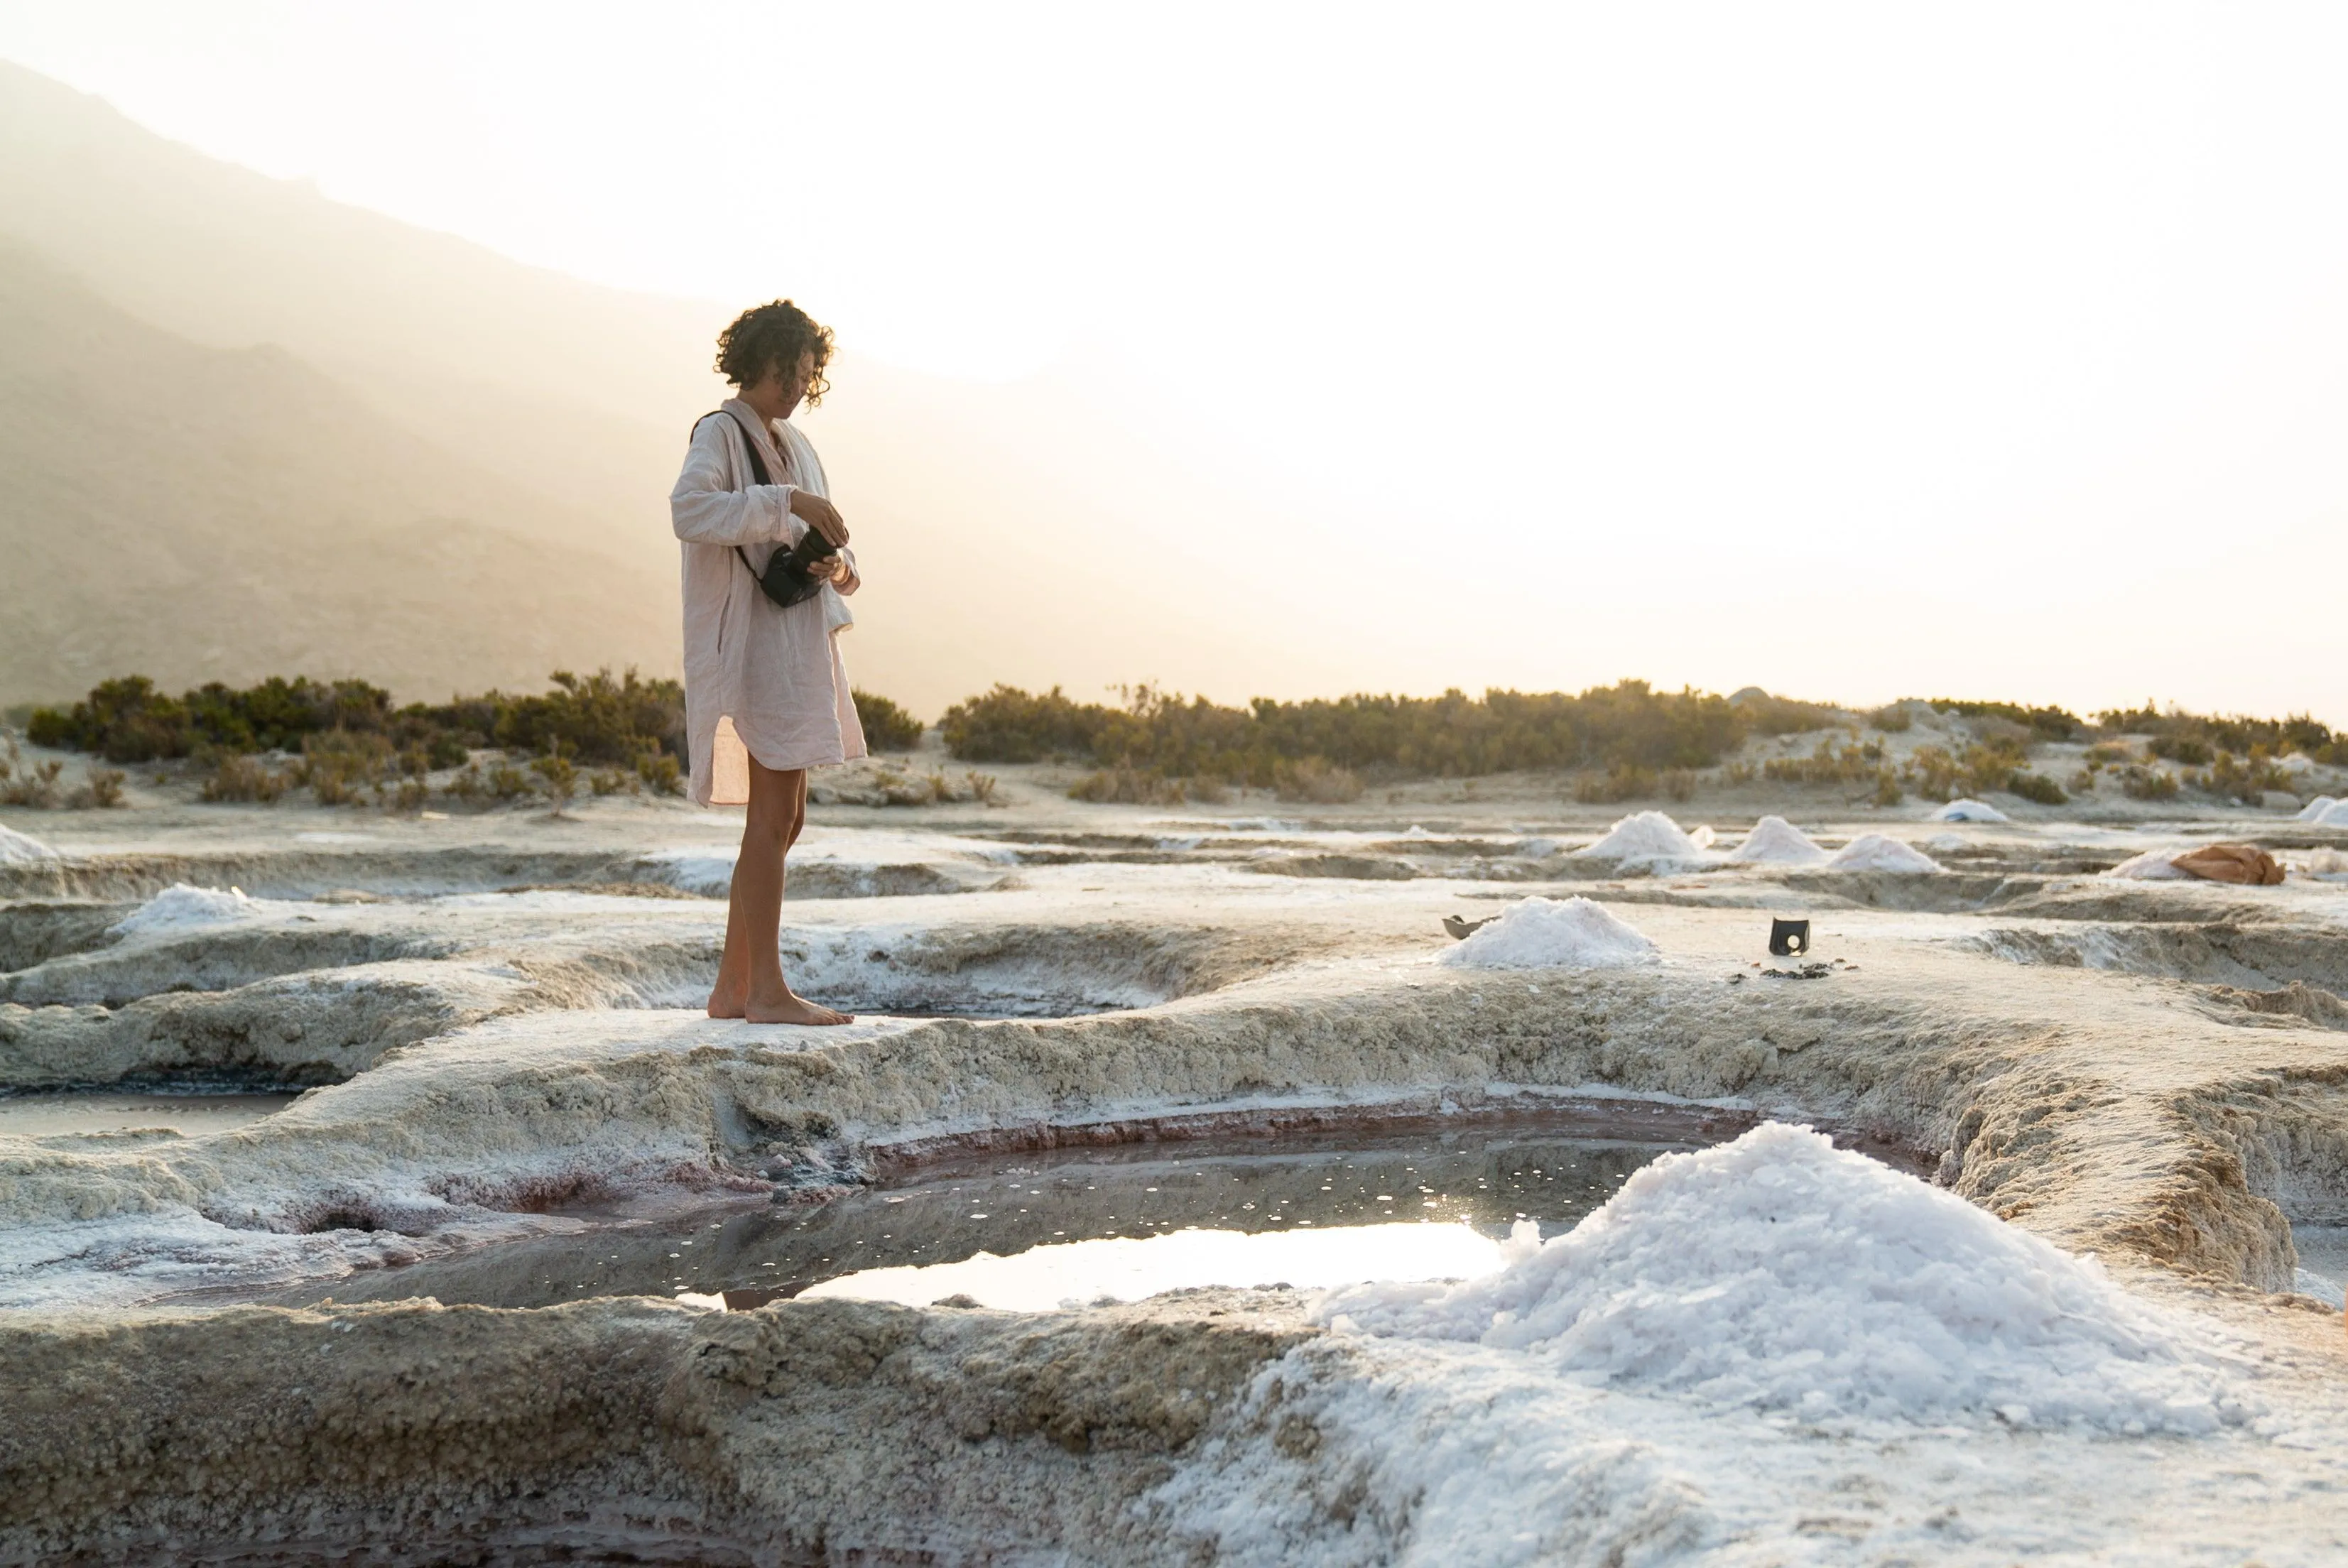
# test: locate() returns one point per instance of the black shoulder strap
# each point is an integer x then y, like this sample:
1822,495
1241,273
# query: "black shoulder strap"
758,469
749,446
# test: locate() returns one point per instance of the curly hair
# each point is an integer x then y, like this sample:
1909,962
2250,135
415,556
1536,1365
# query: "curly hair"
772,337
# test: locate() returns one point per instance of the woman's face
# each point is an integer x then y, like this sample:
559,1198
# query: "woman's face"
783,389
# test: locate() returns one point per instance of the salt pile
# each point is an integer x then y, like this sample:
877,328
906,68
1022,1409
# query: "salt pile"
2313,810
1774,842
1548,933
2153,865
1875,852
181,907
1702,838
1968,810
18,850
2335,815
1781,1273
1646,837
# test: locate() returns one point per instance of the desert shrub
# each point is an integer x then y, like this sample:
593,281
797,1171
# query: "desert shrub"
339,765
612,781
24,783
1767,714
887,727
1679,783
558,778
100,787
1851,763
2191,750
2141,783
2246,780
244,779
1623,781
406,795
1316,781
1891,719
2109,753
2237,733
661,773
507,782
2045,723
1738,774
1128,787
1451,736
597,718
2036,787
1888,791
1938,774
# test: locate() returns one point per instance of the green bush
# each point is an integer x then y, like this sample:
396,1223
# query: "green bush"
245,778
2036,787
2140,783
2192,750
2045,723
1452,735
597,718
2239,733
887,727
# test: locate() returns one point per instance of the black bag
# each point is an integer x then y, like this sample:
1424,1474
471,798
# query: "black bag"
788,580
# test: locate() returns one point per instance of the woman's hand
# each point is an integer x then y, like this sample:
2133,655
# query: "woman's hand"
842,574
819,515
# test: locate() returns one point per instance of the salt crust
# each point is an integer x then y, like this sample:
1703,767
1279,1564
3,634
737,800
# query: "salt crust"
2335,815
1552,933
2153,865
2313,810
181,907
1780,1273
1968,810
1645,838
1875,852
1774,842
16,849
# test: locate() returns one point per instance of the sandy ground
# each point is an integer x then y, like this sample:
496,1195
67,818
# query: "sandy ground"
496,1012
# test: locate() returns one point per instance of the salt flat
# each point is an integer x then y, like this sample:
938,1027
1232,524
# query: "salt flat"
2126,1093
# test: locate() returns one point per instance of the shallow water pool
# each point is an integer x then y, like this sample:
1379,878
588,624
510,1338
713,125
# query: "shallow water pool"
2323,1261
1004,1229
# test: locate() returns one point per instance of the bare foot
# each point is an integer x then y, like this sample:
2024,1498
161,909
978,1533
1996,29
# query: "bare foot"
791,1008
729,1001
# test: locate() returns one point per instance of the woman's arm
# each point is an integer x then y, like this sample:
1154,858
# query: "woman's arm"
706,508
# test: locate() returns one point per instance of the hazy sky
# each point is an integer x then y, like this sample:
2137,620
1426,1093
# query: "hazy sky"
1849,349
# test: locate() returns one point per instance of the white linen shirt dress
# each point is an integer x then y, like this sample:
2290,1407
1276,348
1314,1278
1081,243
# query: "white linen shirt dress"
759,680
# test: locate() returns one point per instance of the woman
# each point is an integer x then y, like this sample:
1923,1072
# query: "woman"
766,695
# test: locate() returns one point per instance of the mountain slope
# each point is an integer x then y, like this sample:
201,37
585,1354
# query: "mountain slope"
199,513
1029,531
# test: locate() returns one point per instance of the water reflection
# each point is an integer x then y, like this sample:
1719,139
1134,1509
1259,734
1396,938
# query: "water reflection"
1472,1185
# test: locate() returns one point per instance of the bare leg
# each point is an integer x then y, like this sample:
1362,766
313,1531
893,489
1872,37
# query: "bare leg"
750,983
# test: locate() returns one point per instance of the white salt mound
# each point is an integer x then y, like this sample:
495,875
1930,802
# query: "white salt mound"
1774,842
1548,933
1875,852
1780,1273
2313,810
2335,815
1968,810
181,907
1702,838
18,850
2153,865
1647,836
